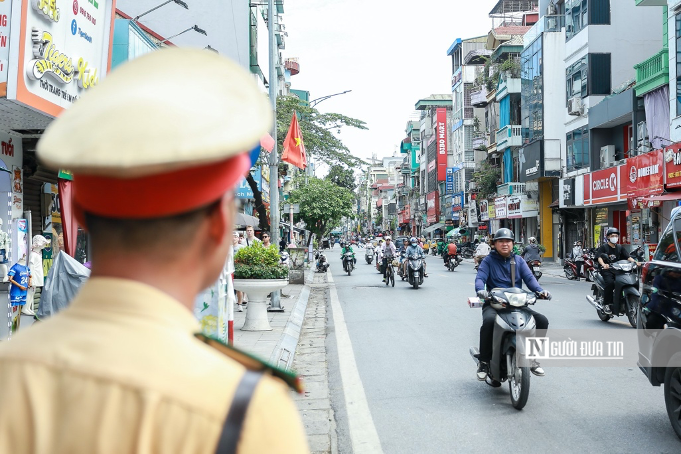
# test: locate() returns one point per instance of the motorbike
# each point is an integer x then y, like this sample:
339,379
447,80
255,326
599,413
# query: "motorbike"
570,268
589,265
400,268
284,258
453,262
322,263
415,271
534,267
467,252
626,298
348,262
369,254
511,319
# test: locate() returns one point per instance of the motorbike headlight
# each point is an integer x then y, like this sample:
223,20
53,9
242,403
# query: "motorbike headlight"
516,299
627,266
531,299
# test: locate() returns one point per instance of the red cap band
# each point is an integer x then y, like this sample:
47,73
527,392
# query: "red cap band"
160,195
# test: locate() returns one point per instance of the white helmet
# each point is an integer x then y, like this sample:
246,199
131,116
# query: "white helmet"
533,240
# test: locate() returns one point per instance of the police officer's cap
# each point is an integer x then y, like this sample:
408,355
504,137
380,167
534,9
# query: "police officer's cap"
163,134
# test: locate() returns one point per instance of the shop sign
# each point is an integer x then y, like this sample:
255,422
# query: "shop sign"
455,215
5,15
645,174
603,186
568,192
513,209
441,131
484,211
529,207
601,216
531,161
672,165
472,214
491,212
10,147
482,227
449,185
62,52
457,202
652,247
244,191
500,207
432,207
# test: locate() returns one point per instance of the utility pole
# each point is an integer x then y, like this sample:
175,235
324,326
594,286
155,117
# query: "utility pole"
274,156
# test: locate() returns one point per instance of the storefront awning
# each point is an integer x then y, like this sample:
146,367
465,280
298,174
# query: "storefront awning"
653,200
433,227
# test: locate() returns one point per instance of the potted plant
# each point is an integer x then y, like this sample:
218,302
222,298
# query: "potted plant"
258,272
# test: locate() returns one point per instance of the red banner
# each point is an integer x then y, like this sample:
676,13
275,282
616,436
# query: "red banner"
433,207
603,186
672,165
645,174
441,132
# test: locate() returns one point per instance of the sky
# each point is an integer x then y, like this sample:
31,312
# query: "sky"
389,53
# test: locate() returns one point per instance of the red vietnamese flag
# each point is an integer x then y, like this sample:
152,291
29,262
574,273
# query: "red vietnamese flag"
294,149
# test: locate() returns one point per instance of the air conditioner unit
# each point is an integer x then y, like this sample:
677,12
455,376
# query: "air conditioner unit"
607,156
575,106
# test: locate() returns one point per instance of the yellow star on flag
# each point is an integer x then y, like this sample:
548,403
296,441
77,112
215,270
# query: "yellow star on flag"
298,140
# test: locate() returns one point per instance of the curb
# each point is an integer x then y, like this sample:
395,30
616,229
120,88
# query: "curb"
285,351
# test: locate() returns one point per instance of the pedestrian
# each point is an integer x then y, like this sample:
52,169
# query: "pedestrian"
578,256
266,239
282,244
239,295
250,236
123,369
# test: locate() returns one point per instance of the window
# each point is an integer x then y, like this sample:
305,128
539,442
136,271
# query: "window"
577,146
666,250
576,82
599,74
531,92
576,17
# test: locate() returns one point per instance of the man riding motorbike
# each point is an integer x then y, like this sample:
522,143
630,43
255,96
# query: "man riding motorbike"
414,250
609,253
347,247
481,252
531,252
451,252
389,252
495,272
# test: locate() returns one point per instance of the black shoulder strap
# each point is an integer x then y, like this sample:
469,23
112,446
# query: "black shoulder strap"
231,431
512,270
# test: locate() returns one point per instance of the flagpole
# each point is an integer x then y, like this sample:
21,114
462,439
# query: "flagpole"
274,157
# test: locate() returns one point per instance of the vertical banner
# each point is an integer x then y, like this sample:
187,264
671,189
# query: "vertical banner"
5,14
441,132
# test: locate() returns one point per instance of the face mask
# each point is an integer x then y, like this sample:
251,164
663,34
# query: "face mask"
413,244
613,239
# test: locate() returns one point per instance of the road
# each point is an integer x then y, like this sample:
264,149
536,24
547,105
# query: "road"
410,349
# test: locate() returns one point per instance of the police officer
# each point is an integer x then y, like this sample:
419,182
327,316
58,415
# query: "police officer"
156,150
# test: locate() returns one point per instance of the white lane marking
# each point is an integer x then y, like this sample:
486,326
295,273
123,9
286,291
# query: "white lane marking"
363,434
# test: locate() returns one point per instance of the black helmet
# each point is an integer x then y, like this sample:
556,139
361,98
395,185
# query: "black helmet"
611,231
504,234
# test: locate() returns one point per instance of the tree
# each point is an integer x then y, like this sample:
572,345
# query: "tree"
320,142
342,176
486,179
322,204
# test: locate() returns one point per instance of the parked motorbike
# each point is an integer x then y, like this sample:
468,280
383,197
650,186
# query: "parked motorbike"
467,252
534,267
369,254
348,262
626,298
589,265
570,268
415,271
322,264
512,318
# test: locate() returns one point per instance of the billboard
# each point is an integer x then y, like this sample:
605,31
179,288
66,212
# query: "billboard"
441,132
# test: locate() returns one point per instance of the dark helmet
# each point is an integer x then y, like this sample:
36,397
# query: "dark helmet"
504,234
611,231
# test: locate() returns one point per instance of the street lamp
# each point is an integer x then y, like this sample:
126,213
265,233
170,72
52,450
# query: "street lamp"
195,28
178,2
316,101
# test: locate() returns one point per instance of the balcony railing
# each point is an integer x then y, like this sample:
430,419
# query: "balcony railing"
509,136
511,188
508,86
652,73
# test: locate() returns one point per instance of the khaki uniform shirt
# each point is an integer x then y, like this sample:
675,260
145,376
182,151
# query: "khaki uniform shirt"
120,372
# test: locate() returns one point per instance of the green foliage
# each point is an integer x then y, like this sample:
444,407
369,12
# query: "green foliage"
342,176
542,248
322,204
486,179
512,65
317,129
259,262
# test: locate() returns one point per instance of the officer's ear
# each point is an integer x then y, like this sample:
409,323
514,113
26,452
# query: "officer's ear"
221,220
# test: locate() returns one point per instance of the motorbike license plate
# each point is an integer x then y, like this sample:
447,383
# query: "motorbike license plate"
416,274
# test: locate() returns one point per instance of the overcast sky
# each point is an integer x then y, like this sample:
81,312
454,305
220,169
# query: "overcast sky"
389,53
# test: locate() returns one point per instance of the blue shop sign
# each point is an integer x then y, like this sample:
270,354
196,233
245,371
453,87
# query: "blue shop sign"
243,190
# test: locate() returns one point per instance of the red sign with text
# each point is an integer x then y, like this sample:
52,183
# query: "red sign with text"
672,165
441,140
433,207
644,174
603,186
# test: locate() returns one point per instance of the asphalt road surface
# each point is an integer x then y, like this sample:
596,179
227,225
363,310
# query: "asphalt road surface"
410,354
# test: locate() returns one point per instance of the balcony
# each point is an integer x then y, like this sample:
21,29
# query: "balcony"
509,136
510,189
652,73
508,86
479,97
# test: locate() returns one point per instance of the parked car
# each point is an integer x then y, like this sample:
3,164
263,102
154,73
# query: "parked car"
659,319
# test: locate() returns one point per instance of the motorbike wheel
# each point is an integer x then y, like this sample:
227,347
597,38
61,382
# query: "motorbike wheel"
672,397
590,275
537,274
569,272
392,279
632,311
519,384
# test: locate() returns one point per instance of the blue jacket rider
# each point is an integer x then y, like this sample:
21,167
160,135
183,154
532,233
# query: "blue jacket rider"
495,272
415,250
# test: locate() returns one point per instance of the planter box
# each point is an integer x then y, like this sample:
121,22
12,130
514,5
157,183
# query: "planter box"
258,290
